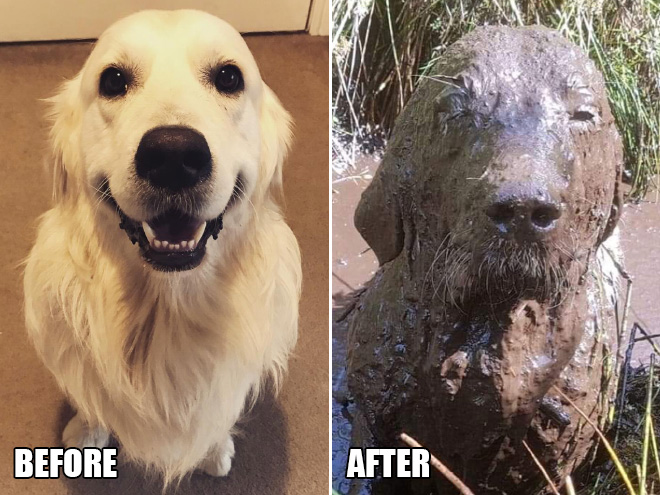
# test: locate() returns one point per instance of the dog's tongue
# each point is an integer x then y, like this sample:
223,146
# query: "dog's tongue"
174,227
174,232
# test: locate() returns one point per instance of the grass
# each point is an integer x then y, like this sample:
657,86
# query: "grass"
635,445
382,47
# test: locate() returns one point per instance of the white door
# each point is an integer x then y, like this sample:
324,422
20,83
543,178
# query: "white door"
35,20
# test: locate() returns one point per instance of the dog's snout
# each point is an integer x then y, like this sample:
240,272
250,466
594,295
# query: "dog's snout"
173,157
524,214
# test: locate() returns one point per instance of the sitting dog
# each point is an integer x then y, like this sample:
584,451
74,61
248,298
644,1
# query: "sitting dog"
488,215
163,287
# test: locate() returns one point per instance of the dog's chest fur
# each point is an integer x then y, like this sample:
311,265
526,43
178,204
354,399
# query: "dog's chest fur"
166,349
166,363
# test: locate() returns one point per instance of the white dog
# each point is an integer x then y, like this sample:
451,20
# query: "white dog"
163,287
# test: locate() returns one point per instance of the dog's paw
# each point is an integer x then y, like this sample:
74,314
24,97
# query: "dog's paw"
80,435
218,460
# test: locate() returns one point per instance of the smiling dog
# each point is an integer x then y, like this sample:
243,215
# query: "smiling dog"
163,287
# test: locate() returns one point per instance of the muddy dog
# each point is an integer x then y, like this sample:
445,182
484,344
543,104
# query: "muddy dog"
489,216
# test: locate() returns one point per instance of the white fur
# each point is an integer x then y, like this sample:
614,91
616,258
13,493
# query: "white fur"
207,337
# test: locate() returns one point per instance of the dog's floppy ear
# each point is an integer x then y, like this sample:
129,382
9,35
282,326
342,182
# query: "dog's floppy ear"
66,116
275,141
378,218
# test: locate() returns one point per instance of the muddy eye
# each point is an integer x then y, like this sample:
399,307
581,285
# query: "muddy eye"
228,79
451,104
113,83
584,115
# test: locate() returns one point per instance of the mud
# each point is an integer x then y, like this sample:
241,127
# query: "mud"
498,186
640,234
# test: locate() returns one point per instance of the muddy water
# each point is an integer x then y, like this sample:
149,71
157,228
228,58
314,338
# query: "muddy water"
341,410
640,239
354,264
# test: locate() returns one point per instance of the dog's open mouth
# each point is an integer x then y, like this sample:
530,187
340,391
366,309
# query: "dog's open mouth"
171,241
173,232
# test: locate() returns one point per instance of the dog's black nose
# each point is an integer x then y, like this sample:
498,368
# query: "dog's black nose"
173,157
524,215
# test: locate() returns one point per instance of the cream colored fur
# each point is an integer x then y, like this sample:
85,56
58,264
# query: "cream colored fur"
167,362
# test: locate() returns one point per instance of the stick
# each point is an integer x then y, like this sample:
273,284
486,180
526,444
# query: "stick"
650,338
553,487
444,470
343,282
350,305
570,489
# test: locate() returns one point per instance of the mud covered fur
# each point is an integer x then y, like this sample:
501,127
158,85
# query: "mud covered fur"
488,214
505,271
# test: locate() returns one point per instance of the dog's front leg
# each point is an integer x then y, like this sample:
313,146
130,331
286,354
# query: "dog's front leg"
218,460
80,434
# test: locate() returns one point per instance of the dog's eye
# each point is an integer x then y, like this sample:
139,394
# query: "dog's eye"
584,114
229,79
451,105
113,83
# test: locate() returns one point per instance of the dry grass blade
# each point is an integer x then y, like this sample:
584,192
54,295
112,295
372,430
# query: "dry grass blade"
654,444
570,489
435,462
615,458
553,487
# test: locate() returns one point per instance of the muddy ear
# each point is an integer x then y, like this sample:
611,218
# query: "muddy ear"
275,141
378,219
66,115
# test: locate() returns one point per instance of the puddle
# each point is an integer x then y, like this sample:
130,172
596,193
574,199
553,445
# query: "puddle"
640,239
353,263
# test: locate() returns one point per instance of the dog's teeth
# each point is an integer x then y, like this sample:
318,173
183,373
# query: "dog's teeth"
199,232
188,245
148,232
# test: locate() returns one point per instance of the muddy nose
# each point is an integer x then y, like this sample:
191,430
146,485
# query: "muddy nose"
173,157
524,215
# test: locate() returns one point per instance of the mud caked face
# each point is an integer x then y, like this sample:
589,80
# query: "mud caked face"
517,181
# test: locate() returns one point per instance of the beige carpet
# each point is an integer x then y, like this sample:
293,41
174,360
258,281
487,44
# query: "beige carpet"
284,448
